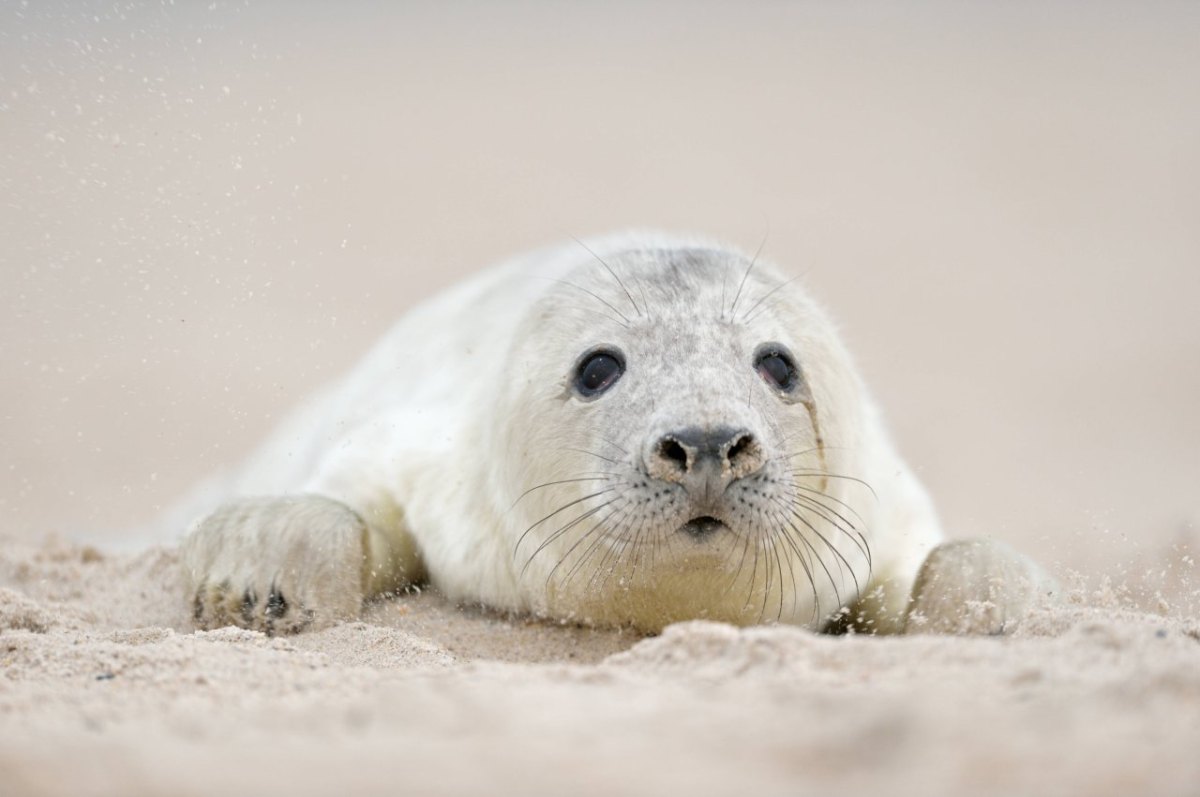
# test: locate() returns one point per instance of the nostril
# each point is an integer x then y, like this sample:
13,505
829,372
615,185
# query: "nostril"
744,454
671,451
739,447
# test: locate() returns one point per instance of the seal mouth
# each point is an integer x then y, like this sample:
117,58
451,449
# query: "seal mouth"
702,527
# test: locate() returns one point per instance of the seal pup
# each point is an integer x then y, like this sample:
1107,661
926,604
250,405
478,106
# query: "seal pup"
634,431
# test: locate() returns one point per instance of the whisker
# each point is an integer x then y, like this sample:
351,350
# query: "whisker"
602,314
595,528
746,539
628,295
837,553
600,567
842,564
563,530
614,445
827,475
555,512
645,301
791,575
779,572
637,544
749,268
602,477
766,309
767,295
753,573
818,498
805,565
591,453
815,449
808,544
789,457
857,537
625,322
608,571
837,501
765,537
587,554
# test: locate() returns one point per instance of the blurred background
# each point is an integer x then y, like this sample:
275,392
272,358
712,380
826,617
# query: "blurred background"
211,208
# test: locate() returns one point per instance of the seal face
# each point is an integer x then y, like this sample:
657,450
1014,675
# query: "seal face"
633,430
683,471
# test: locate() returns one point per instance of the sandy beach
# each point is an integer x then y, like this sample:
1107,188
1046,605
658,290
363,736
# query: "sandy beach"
108,690
211,210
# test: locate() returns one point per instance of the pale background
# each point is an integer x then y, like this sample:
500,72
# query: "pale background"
210,209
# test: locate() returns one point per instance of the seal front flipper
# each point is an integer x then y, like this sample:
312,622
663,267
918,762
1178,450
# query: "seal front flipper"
977,587
284,564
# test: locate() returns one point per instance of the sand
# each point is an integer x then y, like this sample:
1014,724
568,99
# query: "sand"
213,208
107,690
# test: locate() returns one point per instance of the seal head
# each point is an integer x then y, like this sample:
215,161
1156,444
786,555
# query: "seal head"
669,426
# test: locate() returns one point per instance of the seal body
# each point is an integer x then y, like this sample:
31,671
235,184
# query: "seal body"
631,430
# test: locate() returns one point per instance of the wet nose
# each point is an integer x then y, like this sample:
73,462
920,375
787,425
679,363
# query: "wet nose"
705,461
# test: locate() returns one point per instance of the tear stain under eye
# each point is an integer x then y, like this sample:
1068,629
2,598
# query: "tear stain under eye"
811,406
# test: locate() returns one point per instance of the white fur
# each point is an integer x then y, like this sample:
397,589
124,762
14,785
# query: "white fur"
467,403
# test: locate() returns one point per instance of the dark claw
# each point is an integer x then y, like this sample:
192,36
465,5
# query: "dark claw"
198,605
277,605
249,601
276,608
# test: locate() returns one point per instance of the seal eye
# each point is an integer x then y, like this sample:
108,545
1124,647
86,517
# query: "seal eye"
775,365
598,371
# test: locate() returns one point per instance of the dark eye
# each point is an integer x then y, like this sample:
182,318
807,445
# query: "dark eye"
776,366
598,371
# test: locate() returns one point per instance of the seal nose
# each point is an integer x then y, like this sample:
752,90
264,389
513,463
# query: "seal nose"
705,461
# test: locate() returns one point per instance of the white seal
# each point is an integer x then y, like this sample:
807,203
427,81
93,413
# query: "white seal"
632,431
